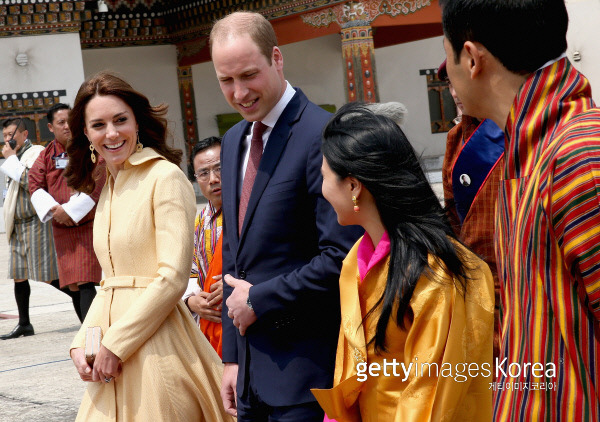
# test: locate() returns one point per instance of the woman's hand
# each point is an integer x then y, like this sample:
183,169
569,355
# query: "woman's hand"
78,357
106,366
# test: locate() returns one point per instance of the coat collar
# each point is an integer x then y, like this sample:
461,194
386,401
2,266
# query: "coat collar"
137,158
538,113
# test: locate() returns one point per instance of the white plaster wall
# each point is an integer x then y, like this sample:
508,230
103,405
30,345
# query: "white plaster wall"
209,99
315,66
55,63
583,36
398,77
152,70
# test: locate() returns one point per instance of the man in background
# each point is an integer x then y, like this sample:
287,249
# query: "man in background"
471,175
32,253
204,294
72,213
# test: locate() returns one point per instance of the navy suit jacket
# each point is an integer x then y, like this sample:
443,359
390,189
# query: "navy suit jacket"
291,250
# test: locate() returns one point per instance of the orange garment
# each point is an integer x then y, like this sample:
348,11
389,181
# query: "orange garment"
213,330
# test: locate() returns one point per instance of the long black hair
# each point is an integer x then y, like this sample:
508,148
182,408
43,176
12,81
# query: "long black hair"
375,151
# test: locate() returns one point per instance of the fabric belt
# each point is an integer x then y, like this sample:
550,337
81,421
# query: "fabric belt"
125,281
112,283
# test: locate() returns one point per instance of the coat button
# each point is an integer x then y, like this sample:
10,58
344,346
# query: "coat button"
242,274
465,180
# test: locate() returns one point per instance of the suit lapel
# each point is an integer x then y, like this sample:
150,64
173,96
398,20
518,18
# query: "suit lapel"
276,144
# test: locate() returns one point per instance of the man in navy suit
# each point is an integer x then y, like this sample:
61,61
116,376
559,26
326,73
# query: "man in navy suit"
282,245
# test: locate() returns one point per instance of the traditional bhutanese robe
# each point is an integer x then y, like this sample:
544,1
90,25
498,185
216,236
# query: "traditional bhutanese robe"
32,248
445,328
77,261
207,231
207,262
471,175
548,244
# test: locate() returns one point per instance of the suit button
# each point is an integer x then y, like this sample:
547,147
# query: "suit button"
242,274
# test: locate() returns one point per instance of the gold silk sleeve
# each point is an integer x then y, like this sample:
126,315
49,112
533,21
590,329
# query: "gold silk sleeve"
449,345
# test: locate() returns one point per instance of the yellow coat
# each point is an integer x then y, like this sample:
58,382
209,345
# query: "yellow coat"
444,329
143,237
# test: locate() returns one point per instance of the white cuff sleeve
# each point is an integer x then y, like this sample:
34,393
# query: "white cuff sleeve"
13,168
192,289
79,206
42,201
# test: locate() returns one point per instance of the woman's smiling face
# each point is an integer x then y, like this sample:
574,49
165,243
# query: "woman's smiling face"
111,127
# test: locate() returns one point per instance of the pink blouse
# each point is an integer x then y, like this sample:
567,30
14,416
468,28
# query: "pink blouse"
369,256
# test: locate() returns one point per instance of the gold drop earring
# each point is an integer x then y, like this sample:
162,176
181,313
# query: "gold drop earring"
355,201
138,146
93,156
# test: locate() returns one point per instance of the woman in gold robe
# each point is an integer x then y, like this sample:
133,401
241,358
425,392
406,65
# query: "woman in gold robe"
154,364
417,307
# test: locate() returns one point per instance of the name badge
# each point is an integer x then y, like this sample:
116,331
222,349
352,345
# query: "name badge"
61,163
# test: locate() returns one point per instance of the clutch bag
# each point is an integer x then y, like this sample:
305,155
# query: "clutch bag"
93,337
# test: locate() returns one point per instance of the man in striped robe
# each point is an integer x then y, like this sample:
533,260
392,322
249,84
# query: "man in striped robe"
204,294
506,61
72,213
32,254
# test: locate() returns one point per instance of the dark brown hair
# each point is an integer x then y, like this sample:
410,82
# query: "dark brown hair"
151,122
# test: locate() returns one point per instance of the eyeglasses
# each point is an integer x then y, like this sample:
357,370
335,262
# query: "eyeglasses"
202,175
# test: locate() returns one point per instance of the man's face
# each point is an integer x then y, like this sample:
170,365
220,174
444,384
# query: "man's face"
457,101
459,80
207,169
20,137
249,83
60,127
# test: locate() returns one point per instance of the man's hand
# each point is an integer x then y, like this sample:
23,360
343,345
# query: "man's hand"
199,304
7,151
239,311
228,388
216,293
59,214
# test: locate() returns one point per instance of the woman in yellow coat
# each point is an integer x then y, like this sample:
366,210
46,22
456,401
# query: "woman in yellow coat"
154,364
417,307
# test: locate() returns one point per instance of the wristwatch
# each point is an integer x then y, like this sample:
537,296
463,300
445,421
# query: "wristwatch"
249,303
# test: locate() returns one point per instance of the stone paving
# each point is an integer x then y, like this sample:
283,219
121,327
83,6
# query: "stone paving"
38,382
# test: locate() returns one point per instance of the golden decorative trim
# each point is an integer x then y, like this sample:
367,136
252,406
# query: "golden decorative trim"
362,12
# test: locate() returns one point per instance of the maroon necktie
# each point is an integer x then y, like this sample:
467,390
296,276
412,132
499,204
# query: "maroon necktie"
256,151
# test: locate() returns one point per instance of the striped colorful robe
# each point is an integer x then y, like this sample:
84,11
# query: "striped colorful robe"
548,246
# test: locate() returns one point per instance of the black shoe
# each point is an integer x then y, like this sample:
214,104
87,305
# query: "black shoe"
18,331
